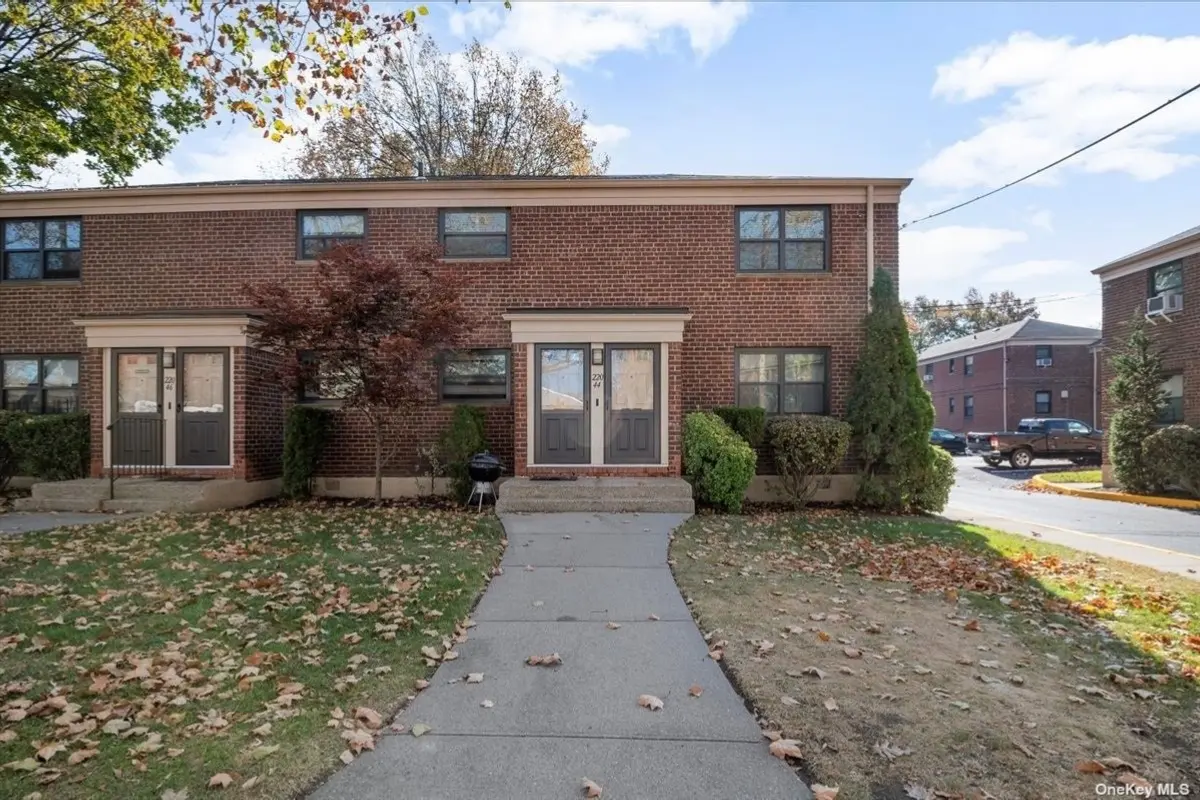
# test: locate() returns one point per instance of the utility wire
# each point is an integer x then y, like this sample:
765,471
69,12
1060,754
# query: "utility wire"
962,305
1109,135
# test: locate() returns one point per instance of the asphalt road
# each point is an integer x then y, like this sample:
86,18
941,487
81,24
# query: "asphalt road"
1163,538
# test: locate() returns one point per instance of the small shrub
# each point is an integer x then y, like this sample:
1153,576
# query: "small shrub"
749,423
719,463
1137,399
805,448
464,438
933,491
51,447
1173,453
305,433
8,464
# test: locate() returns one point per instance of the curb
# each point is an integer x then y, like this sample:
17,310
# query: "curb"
1118,497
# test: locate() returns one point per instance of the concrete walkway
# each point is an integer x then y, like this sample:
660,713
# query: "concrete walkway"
565,577
26,521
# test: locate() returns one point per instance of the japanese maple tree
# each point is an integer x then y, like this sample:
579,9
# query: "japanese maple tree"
373,327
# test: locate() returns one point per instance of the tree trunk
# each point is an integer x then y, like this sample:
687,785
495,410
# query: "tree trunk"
378,460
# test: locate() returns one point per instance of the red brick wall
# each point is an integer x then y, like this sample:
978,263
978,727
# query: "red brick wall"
1071,370
624,256
1178,338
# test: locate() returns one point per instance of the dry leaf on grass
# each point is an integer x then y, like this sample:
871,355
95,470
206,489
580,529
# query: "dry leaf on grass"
250,783
431,653
814,672
891,751
591,788
8,736
785,749
552,660
475,677
765,647
421,684
789,701
79,756
821,792
368,717
852,652
650,701
831,705
972,625
346,757
918,792
1136,781
172,794
220,780
716,654
696,690
1091,767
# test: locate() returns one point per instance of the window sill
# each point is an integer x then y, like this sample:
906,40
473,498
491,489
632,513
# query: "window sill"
307,262
42,282
812,273
320,403
491,260
449,403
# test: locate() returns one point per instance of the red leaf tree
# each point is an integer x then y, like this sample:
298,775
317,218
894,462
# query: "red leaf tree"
373,326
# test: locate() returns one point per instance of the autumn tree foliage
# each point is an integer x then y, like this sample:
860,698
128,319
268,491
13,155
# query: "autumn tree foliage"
119,80
936,321
368,331
477,112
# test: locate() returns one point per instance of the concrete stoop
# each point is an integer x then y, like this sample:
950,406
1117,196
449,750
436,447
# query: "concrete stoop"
144,495
612,495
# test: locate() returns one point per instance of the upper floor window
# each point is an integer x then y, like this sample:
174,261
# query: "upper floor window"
1043,355
1172,410
1041,402
474,376
474,233
952,366
42,249
929,370
790,239
784,381
1166,278
969,365
321,231
39,384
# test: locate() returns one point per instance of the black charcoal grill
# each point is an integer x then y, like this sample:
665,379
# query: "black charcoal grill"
484,469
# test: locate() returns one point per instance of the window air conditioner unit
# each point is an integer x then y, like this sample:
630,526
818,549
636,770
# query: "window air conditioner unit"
1045,362
927,377
1163,304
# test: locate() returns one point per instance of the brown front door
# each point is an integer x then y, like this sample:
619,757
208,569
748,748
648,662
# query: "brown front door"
202,408
137,426
561,431
632,425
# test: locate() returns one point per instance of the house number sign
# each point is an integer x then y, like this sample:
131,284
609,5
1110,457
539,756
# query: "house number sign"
168,383
597,379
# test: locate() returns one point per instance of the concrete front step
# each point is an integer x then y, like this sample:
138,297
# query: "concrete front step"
56,504
663,495
145,495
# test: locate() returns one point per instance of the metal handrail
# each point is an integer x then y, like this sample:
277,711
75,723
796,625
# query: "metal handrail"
142,436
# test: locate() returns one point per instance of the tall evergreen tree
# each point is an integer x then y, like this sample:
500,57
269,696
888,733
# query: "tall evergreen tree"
1136,392
889,410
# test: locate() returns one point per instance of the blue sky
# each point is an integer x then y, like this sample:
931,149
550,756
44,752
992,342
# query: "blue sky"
961,97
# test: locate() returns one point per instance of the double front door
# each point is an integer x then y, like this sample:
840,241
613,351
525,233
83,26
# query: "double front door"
189,403
621,394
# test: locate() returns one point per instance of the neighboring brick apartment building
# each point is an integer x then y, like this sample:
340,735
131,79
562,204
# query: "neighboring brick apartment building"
990,380
1153,282
605,308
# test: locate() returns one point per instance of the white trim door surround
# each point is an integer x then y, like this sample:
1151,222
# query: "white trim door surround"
596,329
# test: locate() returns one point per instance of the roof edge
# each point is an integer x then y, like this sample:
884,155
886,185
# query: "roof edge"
1149,257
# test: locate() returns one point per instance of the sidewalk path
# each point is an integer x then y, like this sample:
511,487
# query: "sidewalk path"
552,727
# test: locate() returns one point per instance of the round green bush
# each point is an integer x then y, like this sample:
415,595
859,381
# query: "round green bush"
719,463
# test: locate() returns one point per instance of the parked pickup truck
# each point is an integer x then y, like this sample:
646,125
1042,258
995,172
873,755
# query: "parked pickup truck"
1045,438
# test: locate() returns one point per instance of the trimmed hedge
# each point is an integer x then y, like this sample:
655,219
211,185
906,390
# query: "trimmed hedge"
933,490
1173,454
464,438
51,447
719,462
305,433
749,423
806,448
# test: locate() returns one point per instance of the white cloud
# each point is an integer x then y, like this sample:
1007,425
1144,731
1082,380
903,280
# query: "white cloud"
1024,270
577,34
605,135
1042,218
1058,96
951,251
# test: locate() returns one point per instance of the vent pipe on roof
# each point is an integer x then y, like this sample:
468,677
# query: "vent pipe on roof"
420,170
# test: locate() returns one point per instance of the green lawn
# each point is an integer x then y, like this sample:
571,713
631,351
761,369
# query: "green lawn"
1072,476
147,657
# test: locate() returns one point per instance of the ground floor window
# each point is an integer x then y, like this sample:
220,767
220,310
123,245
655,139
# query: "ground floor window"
784,381
951,399
469,376
969,406
1041,402
40,384
1172,411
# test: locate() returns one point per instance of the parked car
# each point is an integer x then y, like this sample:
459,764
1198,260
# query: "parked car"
952,443
1045,438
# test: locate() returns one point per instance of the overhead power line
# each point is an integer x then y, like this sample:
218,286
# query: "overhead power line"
1051,165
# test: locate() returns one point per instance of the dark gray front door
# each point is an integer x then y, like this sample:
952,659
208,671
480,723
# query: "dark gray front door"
632,399
561,432
202,412
137,426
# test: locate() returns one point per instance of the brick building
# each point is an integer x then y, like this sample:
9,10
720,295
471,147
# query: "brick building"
605,308
1152,282
990,380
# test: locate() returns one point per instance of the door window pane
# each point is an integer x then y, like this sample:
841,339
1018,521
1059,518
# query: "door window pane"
137,383
203,383
632,379
562,379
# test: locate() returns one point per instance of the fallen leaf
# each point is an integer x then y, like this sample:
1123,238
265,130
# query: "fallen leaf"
420,729
785,749
831,704
653,617
814,672
431,653
48,752
613,626
172,794
890,751
920,670
346,757
972,625
591,788
765,647
24,765
1143,694
487,704
261,752
368,717
789,701
821,792
1135,780
265,729
823,636
961,706
251,782
220,780
1090,767
918,792
552,660
79,756
696,690
1112,762
421,684
650,701
990,664
852,652
716,654
7,736
475,677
